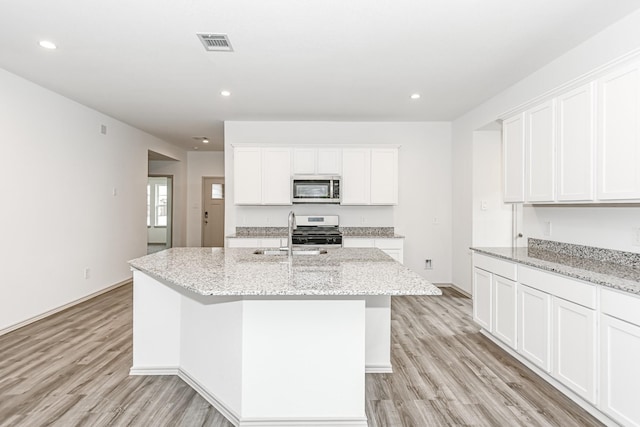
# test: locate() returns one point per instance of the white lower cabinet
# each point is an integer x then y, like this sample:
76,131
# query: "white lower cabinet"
482,298
574,347
620,357
504,314
534,326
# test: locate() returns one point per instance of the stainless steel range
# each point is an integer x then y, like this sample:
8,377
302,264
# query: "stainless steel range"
319,230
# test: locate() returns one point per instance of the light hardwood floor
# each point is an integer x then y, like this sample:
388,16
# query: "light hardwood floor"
71,369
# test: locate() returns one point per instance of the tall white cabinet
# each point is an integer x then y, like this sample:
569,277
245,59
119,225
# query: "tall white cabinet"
619,134
576,144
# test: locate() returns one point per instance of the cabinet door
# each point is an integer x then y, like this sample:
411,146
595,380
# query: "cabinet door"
574,364
482,298
247,176
304,161
513,158
356,242
576,138
384,176
540,154
356,171
329,161
504,310
276,176
619,134
243,243
534,326
620,370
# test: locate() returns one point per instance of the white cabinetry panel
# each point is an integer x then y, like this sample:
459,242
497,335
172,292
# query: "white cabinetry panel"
504,313
534,326
276,176
262,175
574,347
482,298
384,176
576,144
620,370
394,247
513,158
540,155
619,134
321,161
247,175
356,176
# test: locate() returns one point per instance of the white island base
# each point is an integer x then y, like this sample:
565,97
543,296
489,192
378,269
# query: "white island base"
264,360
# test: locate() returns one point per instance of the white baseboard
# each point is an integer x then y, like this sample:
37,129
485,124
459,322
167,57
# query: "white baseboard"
378,369
62,307
451,285
233,417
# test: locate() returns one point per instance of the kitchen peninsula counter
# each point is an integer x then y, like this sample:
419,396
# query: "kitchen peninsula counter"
267,341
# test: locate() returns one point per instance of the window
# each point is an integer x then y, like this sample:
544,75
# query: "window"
217,191
157,193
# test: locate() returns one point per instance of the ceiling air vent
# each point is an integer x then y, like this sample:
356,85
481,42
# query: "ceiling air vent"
215,42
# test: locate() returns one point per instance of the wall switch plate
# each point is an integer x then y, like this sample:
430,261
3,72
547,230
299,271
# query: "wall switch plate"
547,228
483,205
86,272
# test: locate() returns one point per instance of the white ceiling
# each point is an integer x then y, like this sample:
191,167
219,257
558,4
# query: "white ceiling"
358,60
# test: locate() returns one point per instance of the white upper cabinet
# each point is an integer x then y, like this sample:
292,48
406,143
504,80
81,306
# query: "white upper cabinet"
576,144
320,161
262,176
619,134
247,175
276,176
513,158
540,153
369,176
384,176
356,176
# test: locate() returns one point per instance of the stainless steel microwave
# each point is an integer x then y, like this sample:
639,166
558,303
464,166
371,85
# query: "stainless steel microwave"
315,189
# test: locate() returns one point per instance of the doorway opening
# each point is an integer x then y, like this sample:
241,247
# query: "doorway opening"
159,212
213,195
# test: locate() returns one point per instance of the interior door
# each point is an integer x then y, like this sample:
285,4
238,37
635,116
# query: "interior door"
213,194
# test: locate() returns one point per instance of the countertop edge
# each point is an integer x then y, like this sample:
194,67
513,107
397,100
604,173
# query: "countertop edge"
606,280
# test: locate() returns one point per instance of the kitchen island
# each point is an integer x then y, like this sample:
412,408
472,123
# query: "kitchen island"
266,341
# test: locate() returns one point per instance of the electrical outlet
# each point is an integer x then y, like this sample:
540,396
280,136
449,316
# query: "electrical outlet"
483,205
86,273
547,228
635,237
428,265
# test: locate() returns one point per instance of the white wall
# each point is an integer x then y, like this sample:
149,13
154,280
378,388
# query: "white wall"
201,164
59,212
614,41
491,217
423,213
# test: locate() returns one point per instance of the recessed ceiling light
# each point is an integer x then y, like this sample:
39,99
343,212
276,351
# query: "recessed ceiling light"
195,148
47,44
415,96
205,140
225,93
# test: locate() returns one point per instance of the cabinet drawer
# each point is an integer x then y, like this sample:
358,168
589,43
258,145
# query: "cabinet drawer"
582,293
501,268
623,306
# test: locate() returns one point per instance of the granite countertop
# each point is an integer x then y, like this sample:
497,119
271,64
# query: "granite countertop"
281,232
606,273
238,271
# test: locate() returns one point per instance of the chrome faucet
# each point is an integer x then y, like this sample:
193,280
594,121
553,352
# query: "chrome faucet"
291,222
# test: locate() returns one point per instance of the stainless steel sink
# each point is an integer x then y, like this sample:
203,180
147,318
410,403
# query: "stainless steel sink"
296,252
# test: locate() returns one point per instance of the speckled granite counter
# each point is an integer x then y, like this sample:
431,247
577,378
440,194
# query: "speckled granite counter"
342,271
576,261
281,232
